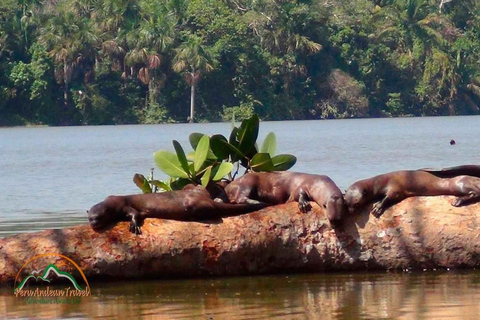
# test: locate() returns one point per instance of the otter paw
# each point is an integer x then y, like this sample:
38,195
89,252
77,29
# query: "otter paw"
377,210
134,228
304,206
457,202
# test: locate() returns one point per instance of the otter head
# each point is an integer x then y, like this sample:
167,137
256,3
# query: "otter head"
335,208
104,214
356,197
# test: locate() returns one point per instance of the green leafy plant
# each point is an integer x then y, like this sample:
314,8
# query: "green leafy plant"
214,158
200,167
149,185
242,148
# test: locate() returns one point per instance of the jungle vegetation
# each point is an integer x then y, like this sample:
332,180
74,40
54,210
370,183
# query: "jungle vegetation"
71,62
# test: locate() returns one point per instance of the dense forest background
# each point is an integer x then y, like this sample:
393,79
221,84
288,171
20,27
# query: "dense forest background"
68,62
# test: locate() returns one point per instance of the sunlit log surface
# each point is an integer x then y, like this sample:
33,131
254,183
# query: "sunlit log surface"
419,233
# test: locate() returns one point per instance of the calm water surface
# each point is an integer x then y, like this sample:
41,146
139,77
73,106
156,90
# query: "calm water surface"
49,177
432,295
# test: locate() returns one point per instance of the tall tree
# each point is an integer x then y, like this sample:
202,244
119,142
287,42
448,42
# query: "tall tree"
71,41
422,37
155,35
289,34
192,59
117,21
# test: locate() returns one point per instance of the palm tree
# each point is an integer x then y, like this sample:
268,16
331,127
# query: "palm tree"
192,59
422,38
151,38
116,16
116,21
287,31
411,20
70,40
18,23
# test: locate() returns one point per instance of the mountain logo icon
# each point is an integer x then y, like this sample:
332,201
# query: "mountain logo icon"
45,276
47,269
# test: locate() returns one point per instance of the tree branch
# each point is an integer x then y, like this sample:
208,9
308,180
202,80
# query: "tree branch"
419,232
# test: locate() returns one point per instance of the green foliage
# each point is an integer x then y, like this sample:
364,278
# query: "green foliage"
142,183
33,83
269,145
125,61
155,113
214,157
394,104
198,168
149,185
171,164
239,113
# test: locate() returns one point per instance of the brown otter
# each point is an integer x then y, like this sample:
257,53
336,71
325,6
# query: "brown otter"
393,187
281,187
193,203
464,170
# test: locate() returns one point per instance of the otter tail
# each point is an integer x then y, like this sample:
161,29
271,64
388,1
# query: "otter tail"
450,172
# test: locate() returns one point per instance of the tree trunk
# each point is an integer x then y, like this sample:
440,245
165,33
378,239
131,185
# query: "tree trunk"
192,102
418,233
192,98
65,84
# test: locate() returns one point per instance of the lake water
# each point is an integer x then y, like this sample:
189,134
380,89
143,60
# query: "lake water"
433,295
49,177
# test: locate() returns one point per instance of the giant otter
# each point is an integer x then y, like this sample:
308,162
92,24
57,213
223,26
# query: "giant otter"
390,188
464,170
281,187
193,203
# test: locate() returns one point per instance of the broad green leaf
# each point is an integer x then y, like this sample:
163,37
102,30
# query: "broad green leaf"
253,151
168,162
201,153
181,156
218,145
206,177
222,170
193,171
191,157
236,154
232,140
283,162
261,162
269,144
142,183
161,185
179,183
247,134
211,155
233,146
233,137
194,138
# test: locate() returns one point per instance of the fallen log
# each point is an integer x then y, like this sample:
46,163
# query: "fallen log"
417,233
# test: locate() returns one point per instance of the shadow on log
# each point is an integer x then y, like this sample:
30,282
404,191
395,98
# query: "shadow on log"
418,233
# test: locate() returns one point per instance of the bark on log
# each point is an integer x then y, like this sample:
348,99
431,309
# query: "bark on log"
419,232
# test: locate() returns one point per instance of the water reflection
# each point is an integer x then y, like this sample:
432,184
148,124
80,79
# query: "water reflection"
327,296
